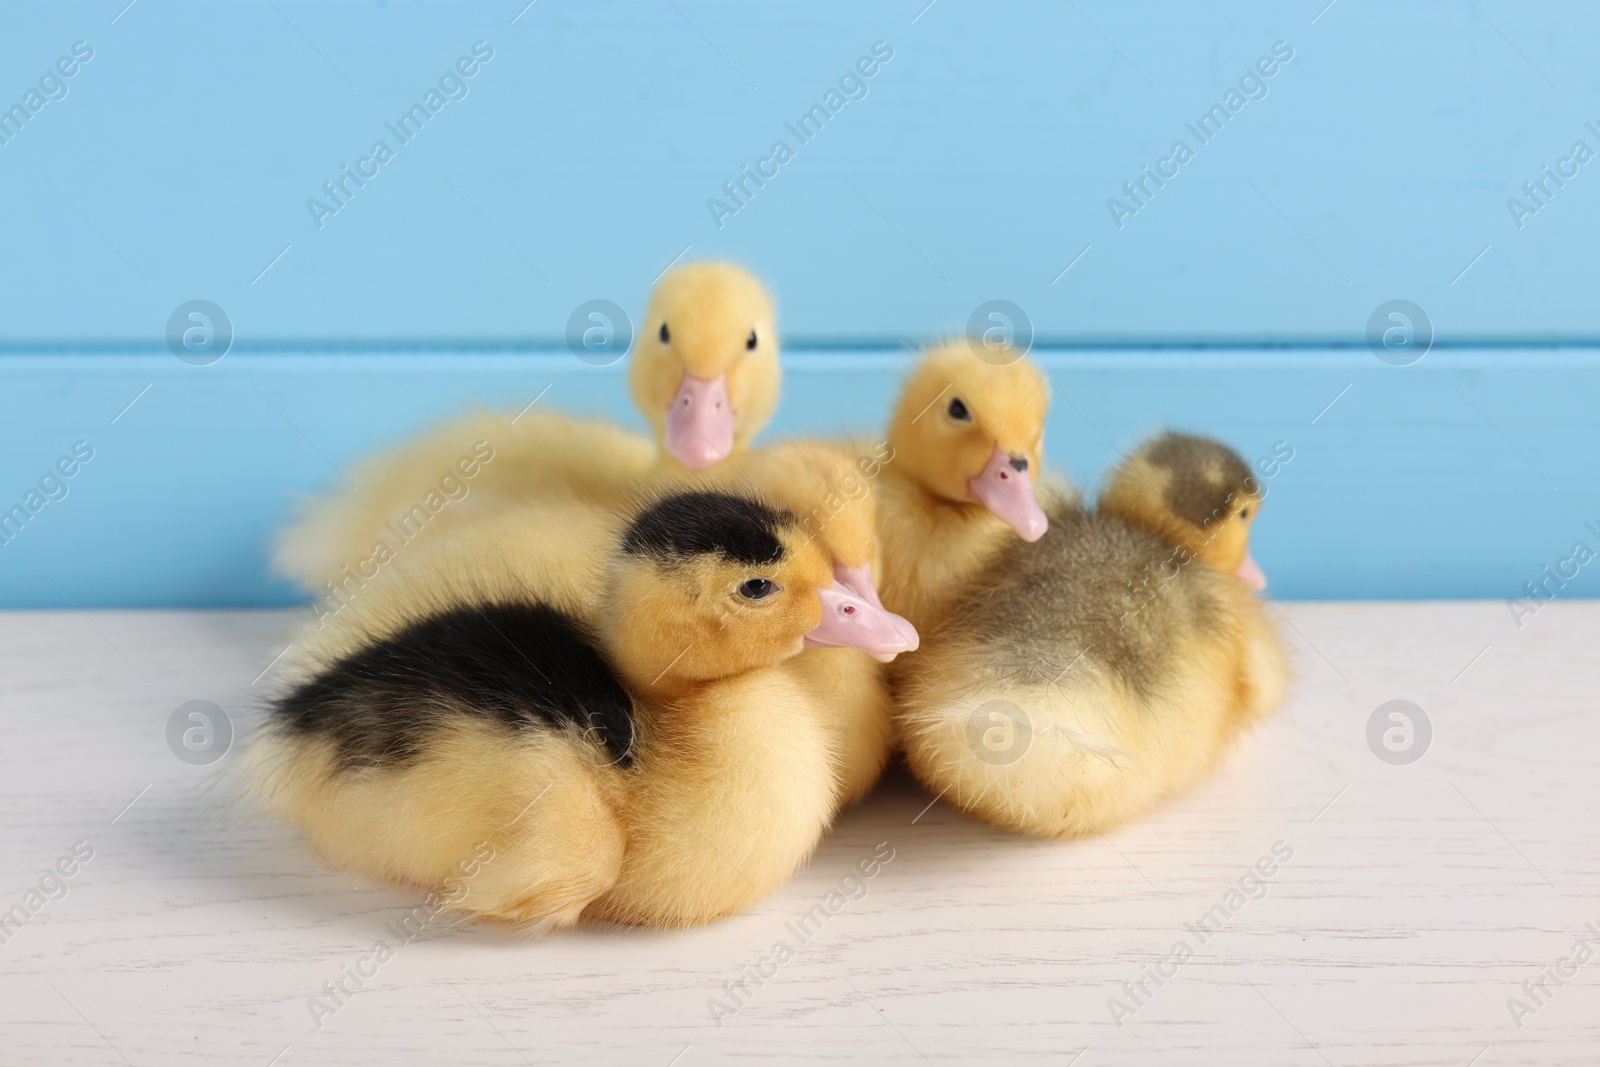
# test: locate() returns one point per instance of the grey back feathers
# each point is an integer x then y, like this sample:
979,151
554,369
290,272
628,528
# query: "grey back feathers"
1095,593
1203,475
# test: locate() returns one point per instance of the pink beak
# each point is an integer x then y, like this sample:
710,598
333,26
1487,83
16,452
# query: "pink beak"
859,581
848,621
1004,488
1252,573
700,424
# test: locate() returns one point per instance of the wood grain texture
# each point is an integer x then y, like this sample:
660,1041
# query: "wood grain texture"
1417,901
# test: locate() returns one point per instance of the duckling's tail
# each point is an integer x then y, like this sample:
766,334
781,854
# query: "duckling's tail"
515,829
1042,755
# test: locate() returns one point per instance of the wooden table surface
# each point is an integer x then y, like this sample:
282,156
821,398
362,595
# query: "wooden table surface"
1417,908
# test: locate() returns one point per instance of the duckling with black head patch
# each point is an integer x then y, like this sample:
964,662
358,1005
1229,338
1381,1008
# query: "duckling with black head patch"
1093,675
646,756
834,499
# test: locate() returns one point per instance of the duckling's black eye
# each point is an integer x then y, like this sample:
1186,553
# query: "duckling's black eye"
1245,514
750,342
758,588
958,410
666,337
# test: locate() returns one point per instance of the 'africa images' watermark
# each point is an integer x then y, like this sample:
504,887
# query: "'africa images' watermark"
52,87
1399,732
1252,885
53,885
852,85
52,486
1545,588
852,887
1541,190
1252,87
1536,993
452,86
404,528
854,490
353,977
199,732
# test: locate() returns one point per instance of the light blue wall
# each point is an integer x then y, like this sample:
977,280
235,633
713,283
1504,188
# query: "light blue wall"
977,166
1405,487
990,142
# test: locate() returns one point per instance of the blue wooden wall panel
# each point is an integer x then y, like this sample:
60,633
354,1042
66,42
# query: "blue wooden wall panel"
1461,475
978,165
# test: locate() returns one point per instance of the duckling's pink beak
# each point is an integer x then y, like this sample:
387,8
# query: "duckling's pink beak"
1252,573
859,581
1005,489
700,424
848,621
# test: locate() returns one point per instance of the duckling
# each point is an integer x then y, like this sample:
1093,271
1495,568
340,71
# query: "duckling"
704,372
1094,674
832,494
1171,488
833,497
560,538
662,764
966,443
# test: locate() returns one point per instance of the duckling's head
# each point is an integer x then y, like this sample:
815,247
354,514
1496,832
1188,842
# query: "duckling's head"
1196,492
705,369
972,431
831,493
708,584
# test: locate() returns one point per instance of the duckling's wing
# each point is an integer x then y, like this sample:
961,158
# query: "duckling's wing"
521,665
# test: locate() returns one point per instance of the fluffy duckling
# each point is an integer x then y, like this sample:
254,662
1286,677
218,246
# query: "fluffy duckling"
562,538
966,442
704,372
661,765
1186,490
1094,674
832,494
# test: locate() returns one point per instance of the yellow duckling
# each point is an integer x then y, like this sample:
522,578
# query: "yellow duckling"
832,495
966,443
664,764
1091,676
704,372
1171,487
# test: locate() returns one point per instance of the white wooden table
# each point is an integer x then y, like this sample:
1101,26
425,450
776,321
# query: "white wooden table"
1418,899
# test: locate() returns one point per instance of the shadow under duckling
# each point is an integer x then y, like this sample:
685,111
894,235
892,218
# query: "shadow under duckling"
1094,674
704,372
651,757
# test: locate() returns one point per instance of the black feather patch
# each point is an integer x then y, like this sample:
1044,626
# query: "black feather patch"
706,522
523,665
